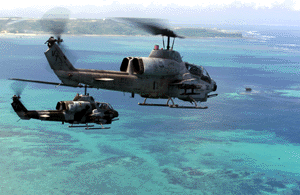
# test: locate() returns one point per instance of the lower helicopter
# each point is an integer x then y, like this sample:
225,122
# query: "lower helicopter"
83,109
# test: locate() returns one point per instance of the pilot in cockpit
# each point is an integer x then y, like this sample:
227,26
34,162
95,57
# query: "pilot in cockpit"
102,106
195,70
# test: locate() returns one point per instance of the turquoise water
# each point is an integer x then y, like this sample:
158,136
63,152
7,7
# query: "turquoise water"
244,143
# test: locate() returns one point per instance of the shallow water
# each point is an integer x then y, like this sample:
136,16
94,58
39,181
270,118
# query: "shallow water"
244,143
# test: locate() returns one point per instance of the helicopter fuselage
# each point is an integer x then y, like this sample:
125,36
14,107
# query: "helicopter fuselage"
161,75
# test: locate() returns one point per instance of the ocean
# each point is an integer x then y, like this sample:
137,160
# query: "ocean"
244,143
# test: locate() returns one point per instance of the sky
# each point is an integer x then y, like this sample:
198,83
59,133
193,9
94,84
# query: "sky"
226,12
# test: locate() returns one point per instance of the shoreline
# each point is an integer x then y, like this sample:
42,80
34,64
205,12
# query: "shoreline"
20,35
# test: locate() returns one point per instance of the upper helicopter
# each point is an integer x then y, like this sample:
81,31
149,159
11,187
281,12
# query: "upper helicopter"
162,74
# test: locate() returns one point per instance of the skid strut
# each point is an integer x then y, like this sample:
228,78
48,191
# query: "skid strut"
167,104
173,105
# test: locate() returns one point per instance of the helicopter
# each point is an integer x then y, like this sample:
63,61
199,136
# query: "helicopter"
83,109
161,75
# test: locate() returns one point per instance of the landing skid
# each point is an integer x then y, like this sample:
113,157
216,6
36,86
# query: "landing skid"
89,127
97,128
190,107
173,105
166,105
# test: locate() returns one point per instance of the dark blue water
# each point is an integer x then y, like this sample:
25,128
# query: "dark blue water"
244,143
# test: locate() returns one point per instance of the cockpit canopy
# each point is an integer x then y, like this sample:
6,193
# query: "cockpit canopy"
198,71
105,106
193,69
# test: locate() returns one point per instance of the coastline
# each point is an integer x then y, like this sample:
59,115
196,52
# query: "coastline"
20,35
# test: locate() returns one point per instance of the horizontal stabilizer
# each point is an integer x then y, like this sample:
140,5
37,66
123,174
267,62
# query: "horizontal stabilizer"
48,83
35,81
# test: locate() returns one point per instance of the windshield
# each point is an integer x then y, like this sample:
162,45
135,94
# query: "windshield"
198,71
193,69
104,105
205,76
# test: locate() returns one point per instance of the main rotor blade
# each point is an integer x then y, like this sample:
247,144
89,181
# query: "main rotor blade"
151,25
18,87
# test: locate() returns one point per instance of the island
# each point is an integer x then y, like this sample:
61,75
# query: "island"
16,25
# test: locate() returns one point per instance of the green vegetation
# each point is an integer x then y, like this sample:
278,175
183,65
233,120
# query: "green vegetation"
101,27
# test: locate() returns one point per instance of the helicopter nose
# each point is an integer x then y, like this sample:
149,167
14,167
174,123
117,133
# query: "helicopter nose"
215,87
116,114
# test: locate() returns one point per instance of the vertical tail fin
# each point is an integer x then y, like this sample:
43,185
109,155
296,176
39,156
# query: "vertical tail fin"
19,108
57,59
60,64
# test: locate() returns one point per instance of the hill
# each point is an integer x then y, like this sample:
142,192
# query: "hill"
102,27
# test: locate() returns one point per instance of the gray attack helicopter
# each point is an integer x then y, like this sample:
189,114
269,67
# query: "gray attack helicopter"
162,74
82,110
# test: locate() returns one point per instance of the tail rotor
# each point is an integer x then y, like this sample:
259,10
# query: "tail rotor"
55,21
19,108
18,87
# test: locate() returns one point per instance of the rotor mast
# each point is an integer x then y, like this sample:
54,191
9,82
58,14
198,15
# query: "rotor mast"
168,33
168,42
154,27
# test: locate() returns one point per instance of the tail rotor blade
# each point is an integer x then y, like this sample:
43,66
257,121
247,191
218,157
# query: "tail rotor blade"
55,21
18,87
71,54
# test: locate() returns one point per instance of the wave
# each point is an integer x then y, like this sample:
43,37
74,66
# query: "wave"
257,35
289,45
